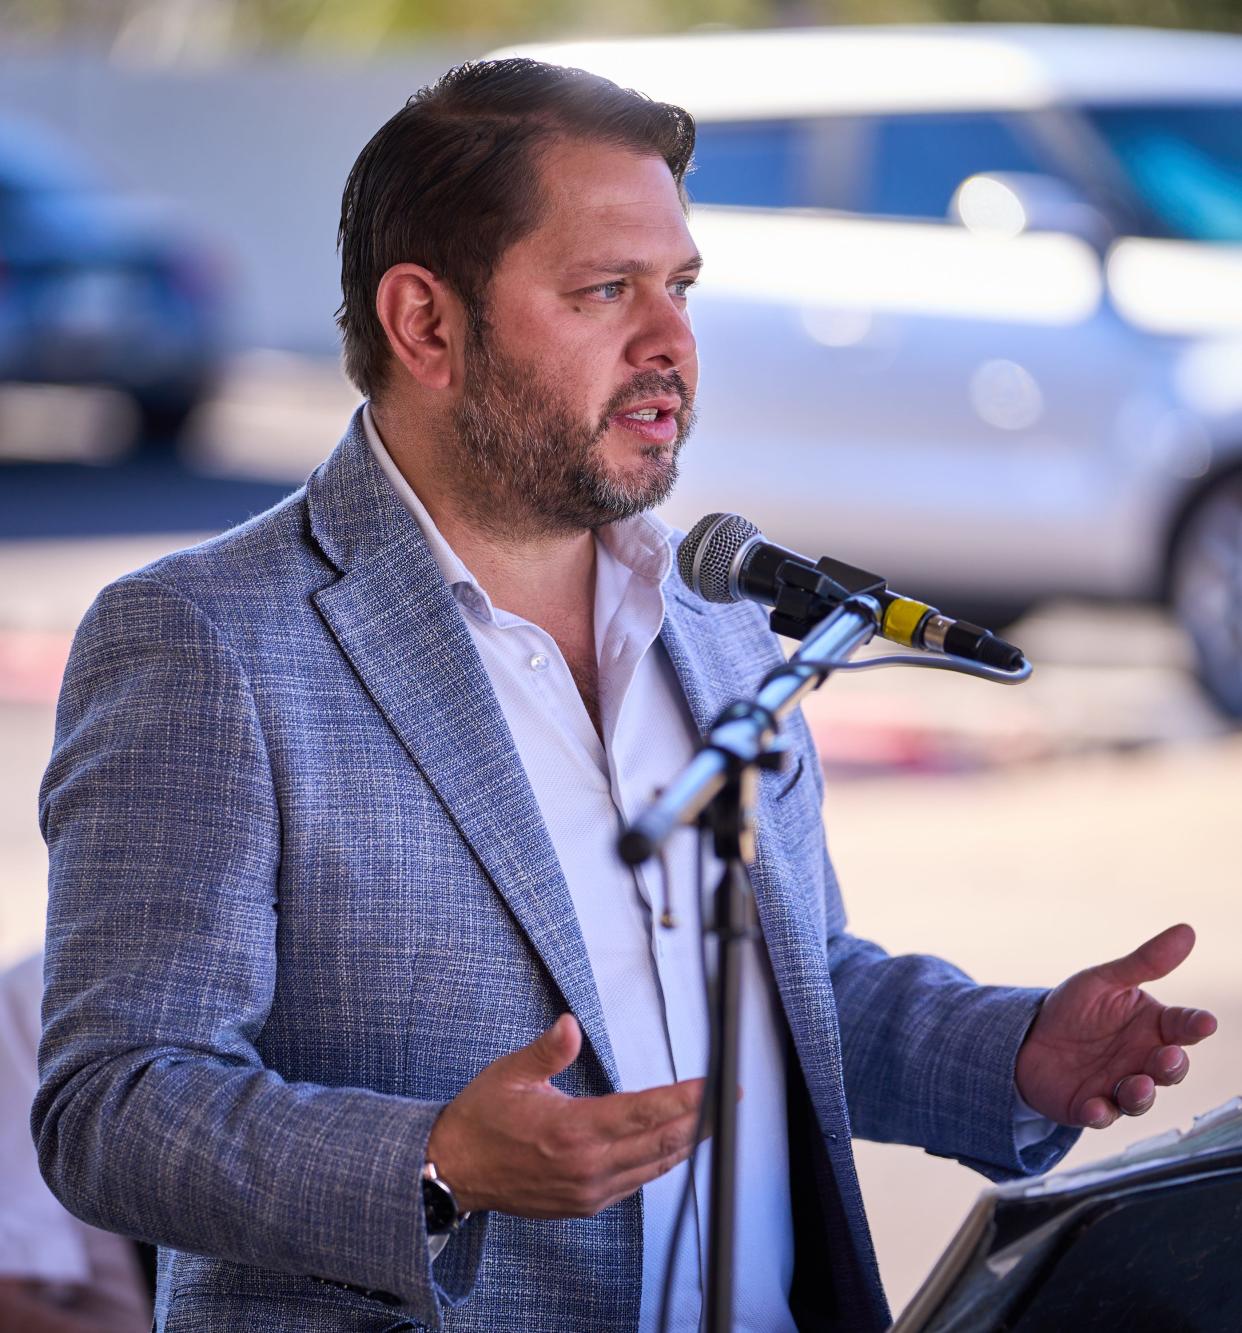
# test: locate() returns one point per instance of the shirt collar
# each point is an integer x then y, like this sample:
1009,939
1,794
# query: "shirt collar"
456,575
641,543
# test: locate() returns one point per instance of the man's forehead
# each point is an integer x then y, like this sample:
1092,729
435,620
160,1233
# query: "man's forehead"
605,203
578,171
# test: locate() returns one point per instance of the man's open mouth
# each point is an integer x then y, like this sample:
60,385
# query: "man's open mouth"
654,423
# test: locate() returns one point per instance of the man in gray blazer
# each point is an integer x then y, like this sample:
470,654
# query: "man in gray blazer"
350,1006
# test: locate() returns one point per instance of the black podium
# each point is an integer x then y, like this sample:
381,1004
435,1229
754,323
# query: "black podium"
1149,1241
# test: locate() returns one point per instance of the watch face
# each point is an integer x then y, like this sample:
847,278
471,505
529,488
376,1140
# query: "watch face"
439,1208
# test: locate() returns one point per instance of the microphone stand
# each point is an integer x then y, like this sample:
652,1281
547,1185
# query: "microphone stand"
717,789
730,816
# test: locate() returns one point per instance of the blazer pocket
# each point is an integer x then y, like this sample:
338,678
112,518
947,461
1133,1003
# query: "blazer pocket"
203,1309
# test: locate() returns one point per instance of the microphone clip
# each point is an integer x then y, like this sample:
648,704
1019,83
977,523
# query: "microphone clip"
805,595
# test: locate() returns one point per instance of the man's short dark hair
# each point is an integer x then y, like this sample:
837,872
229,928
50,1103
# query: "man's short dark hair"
451,181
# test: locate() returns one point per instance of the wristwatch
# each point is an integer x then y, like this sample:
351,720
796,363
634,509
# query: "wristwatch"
439,1205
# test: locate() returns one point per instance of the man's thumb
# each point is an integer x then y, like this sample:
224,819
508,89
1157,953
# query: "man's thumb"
1153,959
553,1050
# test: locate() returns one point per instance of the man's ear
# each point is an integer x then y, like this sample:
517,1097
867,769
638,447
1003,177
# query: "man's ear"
424,321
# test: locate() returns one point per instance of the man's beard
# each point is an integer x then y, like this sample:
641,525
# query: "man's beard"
529,464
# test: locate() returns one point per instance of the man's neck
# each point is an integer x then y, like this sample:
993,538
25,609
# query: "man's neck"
548,579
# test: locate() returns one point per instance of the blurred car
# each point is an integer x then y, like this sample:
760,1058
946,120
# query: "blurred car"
971,314
100,289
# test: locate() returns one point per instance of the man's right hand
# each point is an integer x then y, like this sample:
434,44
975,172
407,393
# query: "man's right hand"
512,1142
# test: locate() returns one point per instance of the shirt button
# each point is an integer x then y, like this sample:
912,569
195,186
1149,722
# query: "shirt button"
538,662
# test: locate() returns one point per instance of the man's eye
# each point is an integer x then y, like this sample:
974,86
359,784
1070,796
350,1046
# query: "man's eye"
682,286
609,290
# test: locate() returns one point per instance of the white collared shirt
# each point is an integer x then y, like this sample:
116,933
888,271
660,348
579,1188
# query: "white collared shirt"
650,980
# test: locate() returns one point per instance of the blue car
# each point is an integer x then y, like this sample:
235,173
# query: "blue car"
98,288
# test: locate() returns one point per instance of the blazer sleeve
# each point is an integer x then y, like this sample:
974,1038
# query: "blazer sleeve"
929,1059
929,1055
155,1116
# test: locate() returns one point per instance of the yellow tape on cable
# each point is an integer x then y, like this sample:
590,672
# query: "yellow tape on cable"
902,617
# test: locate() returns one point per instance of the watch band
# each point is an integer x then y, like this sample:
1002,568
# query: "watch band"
439,1203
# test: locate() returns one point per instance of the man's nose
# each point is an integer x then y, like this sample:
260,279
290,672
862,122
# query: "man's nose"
664,340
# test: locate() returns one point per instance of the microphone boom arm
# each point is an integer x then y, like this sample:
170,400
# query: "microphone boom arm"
745,734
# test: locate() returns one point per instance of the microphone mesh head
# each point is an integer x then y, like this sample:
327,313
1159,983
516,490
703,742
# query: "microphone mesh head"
706,555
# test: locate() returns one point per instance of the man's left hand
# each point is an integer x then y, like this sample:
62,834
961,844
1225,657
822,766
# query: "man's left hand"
1100,1045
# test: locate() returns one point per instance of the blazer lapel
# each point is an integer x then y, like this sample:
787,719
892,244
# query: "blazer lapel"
708,681
710,662
399,625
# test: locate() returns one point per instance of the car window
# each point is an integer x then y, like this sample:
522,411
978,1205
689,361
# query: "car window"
794,163
1185,162
916,162
906,165
749,164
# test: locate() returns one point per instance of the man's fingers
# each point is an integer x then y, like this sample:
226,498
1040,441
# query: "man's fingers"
675,1138
1153,959
629,1164
1134,1094
622,1114
625,1183
1169,1065
1184,1027
1097,1113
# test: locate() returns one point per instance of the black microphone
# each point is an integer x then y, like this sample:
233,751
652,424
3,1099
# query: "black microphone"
725,558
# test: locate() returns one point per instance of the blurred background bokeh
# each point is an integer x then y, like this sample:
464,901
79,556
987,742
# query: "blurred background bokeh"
971,316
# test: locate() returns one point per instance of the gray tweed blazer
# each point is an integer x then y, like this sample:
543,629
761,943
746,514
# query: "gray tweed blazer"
301,893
